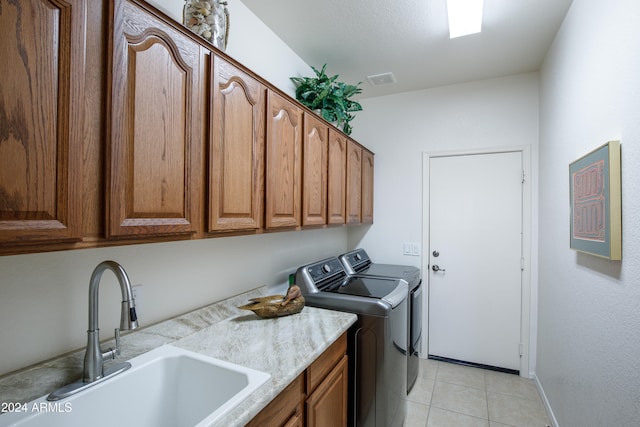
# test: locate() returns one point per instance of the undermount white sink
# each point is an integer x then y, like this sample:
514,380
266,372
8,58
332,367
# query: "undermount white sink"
167,386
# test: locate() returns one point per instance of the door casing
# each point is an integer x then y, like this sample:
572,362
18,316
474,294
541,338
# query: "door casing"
526,300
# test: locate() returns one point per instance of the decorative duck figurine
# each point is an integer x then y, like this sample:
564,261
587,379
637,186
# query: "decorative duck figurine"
277,305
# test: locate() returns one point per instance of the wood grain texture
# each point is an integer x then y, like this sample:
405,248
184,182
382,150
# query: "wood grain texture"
236,189
327,405
286,406
354,183
314,179
337,178
41,120
367,186
156,127
284,162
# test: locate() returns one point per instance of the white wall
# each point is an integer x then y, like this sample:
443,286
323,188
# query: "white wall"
253,44
589,308
399,128
496,113
43,299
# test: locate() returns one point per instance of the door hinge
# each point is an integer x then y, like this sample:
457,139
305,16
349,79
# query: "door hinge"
523,177
521,349
521,264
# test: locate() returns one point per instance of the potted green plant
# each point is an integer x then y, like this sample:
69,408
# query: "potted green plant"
331,97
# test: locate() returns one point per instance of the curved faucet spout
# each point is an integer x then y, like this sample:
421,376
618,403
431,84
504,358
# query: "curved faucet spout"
94,370
93,359
128,317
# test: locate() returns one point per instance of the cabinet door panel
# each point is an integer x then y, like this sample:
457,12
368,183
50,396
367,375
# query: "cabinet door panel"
327,405
284,143
337,178
314,191
237,151
354,183
156,127
367,187
41,120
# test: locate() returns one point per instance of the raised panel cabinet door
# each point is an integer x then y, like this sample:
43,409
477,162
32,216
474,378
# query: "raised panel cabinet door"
367,187
314,188
284,162
337,178
154,170
354,183
236,190
327,405
41,120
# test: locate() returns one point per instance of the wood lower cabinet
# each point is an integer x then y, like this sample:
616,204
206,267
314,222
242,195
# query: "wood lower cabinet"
236,190
284,162
337,178
314,178
156,126
285,410
327,405
316,398
41,120
328,387
367,186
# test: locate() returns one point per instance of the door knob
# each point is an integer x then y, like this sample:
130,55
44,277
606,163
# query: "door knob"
436,267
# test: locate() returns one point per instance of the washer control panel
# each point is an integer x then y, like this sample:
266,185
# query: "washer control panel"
323,270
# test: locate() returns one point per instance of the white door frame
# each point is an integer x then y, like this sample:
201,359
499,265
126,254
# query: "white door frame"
525,320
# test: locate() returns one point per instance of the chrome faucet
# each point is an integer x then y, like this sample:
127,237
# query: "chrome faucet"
93,358
94,370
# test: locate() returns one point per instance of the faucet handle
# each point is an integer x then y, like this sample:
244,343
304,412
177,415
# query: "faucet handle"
113,352
117,334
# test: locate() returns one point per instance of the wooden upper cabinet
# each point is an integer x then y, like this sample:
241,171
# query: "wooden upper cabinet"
354,183
236,190
284,162
156,126
314,181
367,186
41,120
337,178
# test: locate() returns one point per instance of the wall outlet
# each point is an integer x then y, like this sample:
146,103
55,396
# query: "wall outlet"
137,297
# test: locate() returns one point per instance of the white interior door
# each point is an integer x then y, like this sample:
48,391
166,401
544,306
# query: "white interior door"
475,232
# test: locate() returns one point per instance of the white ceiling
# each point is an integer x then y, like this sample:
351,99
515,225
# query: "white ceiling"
410,38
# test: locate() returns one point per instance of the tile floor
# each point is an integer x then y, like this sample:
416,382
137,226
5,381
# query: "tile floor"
446,395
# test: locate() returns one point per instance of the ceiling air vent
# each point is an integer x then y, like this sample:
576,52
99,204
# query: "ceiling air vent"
381,79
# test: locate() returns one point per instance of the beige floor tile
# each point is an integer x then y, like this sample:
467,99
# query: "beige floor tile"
443,418
461,399
422,391
462,375
516,411
498,382
428,368
416,415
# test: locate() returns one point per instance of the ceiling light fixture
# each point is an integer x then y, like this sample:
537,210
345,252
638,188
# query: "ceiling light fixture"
465,17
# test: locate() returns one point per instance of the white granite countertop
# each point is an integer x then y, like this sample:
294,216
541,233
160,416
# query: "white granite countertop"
283,347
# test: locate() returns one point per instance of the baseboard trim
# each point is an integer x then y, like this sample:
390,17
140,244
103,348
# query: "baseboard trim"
545,401
474,365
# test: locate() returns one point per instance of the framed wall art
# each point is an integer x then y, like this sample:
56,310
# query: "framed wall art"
596,202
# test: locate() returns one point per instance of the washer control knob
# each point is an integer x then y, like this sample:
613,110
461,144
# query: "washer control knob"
358,257
326,268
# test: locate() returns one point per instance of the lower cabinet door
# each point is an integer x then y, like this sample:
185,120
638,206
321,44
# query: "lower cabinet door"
327,405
